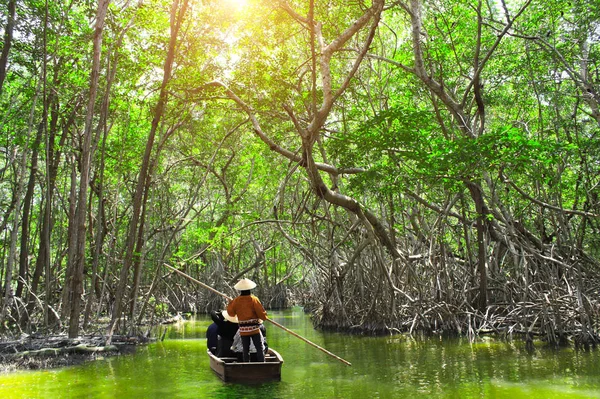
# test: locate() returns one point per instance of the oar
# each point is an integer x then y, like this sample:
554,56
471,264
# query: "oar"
208,287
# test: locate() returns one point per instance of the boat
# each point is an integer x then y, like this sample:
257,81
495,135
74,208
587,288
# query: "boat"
229,369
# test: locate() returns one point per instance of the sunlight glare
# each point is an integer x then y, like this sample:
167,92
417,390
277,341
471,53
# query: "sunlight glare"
238,4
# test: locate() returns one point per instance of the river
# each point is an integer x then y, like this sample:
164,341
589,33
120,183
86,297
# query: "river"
382,367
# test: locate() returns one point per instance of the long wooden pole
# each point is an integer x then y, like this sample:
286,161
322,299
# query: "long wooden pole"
208,287
310,343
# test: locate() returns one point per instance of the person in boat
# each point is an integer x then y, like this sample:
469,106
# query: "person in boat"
227,327
238,349
212,335
249,312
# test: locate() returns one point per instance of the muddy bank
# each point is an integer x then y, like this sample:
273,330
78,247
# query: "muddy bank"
37,351
42,352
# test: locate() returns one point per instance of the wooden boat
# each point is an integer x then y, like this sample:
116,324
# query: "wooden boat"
230,370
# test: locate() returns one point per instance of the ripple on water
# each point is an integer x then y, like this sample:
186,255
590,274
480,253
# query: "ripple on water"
382,367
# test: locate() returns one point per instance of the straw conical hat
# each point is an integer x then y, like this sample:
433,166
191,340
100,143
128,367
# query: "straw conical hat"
229,318
244,284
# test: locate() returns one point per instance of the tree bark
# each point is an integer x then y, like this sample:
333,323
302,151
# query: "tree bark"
8,36
102,126
27,202
84,181
100,232
482,213
67,294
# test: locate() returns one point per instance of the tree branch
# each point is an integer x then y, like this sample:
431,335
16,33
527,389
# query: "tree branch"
274,146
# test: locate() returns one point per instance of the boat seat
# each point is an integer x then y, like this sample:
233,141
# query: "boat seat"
268,358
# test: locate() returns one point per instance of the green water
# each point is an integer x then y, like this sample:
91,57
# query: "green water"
382,367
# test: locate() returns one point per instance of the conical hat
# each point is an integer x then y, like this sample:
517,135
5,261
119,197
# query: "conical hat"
244,284
229,318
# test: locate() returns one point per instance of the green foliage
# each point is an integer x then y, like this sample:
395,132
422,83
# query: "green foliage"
213,180
161,310
405,146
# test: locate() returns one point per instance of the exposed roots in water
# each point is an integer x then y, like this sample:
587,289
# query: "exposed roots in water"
558,303
522,320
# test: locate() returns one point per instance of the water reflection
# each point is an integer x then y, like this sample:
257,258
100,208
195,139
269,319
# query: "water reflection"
382,367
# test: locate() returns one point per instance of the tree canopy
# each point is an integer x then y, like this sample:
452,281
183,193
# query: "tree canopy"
391,166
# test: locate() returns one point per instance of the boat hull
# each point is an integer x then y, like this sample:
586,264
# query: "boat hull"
230,370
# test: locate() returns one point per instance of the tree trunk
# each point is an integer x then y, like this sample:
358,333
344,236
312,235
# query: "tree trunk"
18,192
100,232
42,262
137,266
67,294
113,250
8,35
177,16
482,213
24,255
102,126
13,245
84,181
27,202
